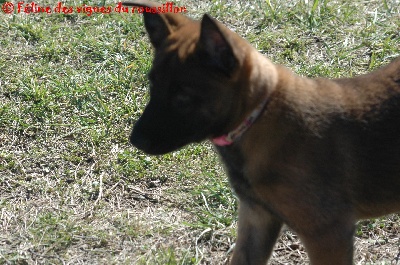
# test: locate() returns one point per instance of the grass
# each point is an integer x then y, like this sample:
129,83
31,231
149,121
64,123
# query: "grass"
73,190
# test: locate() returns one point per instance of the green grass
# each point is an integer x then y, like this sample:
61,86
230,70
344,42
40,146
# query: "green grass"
73,190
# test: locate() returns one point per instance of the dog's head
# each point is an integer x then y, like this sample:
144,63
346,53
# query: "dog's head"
194,81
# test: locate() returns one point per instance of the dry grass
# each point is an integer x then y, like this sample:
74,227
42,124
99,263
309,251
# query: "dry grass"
72,189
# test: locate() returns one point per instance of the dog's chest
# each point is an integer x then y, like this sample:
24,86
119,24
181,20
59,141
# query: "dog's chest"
235,166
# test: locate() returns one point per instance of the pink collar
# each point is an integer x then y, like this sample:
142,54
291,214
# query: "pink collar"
229,138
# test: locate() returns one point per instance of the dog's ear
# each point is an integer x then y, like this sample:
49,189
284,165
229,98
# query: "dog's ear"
158,25
215,45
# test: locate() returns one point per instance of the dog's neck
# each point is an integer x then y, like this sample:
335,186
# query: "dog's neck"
263,78
229,138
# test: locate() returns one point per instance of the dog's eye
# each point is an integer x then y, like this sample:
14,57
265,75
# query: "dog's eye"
182,97
182,100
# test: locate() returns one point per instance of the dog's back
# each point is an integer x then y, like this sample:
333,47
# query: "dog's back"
345,132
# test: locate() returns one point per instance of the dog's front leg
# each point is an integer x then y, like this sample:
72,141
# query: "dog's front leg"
257,232
333,245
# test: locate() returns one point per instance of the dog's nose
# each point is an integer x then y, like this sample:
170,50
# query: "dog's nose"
138,140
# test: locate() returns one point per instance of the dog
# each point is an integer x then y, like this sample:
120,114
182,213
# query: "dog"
315,154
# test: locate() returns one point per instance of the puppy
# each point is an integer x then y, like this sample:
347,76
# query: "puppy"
315,154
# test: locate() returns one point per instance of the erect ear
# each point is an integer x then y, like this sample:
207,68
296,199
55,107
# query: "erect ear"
216,46
158,25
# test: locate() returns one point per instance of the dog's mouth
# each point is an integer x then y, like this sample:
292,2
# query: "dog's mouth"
155,146
146,145
159,132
